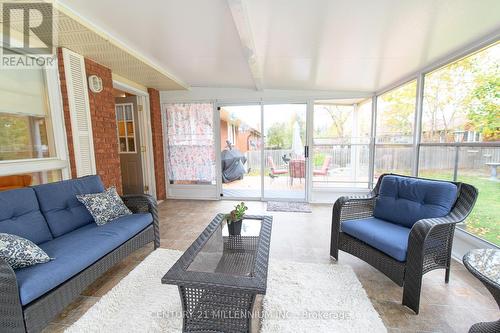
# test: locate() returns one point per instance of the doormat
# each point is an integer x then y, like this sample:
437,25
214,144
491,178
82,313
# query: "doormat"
288,206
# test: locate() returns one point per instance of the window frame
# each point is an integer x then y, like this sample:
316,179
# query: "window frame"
60,160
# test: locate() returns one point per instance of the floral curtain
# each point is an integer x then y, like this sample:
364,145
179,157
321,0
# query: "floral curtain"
190,143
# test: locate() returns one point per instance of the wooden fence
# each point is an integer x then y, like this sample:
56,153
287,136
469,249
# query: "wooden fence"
388,158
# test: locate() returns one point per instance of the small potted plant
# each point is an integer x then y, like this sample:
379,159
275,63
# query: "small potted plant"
234,219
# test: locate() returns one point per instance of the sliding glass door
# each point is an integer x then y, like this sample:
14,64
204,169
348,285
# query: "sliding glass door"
285,151
263,151
240,142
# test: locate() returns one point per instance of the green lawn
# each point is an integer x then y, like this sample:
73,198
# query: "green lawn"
484,221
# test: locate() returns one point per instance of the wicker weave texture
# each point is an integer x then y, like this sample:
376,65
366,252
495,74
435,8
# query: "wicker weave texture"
222,301
429,244
36,315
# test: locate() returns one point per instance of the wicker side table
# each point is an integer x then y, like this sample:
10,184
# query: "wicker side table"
484,264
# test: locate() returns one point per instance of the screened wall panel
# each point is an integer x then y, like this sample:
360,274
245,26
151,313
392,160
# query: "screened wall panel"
190,144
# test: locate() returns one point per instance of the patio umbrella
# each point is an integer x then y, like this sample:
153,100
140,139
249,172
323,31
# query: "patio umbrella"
297,146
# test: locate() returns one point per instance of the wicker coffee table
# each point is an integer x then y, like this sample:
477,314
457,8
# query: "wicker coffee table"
219,275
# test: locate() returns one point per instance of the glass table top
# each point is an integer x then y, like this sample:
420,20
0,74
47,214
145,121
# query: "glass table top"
485,262
231,249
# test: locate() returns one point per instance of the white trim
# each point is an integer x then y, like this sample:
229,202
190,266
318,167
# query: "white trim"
218,148
463,242
76,133
33,165
247,96
55,112
145,133
192,192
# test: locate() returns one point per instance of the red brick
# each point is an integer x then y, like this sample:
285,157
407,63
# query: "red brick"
102,113
157,135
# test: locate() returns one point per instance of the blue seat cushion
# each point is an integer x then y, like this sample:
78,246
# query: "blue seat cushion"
405,200
75,251
58,203
387,237
20,215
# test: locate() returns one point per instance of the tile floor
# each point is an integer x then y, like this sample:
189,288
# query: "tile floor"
304,237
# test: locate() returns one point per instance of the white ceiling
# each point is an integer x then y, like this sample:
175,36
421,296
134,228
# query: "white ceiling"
356,45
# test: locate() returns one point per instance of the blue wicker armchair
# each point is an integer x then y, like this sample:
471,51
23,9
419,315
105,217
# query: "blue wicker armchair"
404,228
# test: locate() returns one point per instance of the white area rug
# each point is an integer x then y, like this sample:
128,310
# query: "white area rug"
300,298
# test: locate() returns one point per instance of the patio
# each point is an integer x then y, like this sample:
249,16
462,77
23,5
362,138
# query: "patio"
242,166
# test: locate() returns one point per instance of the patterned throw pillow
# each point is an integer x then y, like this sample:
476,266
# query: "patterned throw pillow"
105,206
20,252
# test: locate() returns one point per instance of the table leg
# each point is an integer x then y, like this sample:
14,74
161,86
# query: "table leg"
493,173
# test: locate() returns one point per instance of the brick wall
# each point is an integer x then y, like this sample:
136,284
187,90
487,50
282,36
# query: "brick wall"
157,134
102,113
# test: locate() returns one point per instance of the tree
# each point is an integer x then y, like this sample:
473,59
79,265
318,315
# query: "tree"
279,136
339,117
484,106
398,111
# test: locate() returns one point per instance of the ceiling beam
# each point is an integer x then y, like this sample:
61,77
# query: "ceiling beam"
242,23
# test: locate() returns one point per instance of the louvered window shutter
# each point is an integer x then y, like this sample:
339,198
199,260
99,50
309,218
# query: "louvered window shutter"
81,126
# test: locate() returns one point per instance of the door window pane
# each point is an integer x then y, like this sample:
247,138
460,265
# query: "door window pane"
25,127
285,137
126,127
190,143
461,100
241,137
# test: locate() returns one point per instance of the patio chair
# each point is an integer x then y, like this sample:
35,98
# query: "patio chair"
275,171
324,168
404,228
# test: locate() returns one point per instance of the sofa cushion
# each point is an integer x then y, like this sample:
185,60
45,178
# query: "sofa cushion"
75,251
390,238
20,215
58,203
405,200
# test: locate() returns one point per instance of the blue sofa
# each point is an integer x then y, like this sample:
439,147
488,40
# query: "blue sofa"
50,216
404,228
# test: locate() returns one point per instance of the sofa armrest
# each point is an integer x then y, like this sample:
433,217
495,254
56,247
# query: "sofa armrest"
11,316
349,208
145,203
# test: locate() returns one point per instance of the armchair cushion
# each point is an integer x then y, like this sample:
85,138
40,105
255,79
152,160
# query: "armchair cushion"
62,210
405,200
75,251
387,237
